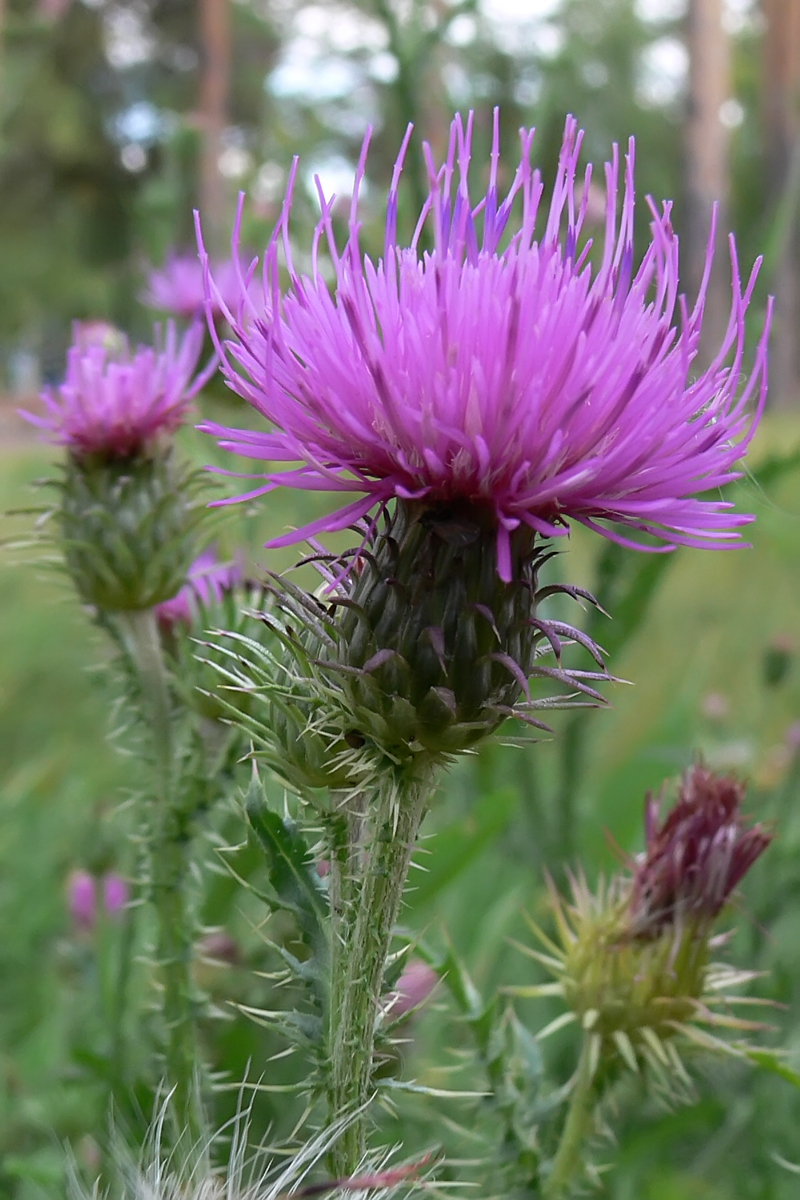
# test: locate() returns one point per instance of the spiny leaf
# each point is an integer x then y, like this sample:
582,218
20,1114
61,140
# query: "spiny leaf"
291,874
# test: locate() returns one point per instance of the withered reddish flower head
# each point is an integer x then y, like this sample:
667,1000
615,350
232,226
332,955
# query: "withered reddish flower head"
115,401
506,368
207,581
695,859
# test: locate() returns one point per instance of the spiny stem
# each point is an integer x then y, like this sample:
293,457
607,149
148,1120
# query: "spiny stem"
577,1128
368,880
169,840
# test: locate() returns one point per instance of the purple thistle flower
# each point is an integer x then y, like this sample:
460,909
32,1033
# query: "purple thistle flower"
695,860
81,899
179,287
116,893
207,582
82,896
502,369
115,402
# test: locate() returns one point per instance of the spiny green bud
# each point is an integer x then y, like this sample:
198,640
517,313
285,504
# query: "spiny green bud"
258,674
632,960
127,528
434,649
416,649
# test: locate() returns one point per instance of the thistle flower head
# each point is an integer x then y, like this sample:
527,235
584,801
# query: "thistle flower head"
82,897
507,370
178,287
695,859
632,960
207,581
114,402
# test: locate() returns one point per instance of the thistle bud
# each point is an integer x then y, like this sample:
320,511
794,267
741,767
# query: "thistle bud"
415,649
128,528
434,646
696,858
127,514
632,959
215,595
414,987
207,582
435,643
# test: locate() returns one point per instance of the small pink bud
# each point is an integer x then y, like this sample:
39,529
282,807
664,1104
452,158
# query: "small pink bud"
220,947
412,989
116,893
715,706
81,899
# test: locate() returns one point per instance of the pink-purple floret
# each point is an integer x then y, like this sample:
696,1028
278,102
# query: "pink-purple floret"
116,402
499,368
207,582
179,288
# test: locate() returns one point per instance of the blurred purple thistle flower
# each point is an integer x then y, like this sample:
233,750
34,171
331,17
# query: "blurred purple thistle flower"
115,402
179,287
82,897
696,858
116,893
520,379
207,582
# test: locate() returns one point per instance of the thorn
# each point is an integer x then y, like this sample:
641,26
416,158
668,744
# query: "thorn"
625,1047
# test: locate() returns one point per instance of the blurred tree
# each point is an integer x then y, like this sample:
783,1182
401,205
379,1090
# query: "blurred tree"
707,164
64,195
215,35
103,110
782,138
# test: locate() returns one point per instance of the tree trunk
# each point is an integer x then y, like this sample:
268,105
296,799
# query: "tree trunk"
215,38
782,139
707,170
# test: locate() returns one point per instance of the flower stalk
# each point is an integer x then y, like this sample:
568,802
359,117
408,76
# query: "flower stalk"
568,1162
369,867
168,844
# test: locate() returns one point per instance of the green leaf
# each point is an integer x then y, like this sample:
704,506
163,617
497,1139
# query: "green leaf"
292,875
770,1060
528,1052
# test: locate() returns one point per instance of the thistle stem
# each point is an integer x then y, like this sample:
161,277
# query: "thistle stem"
577,1127
368,881
169,841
